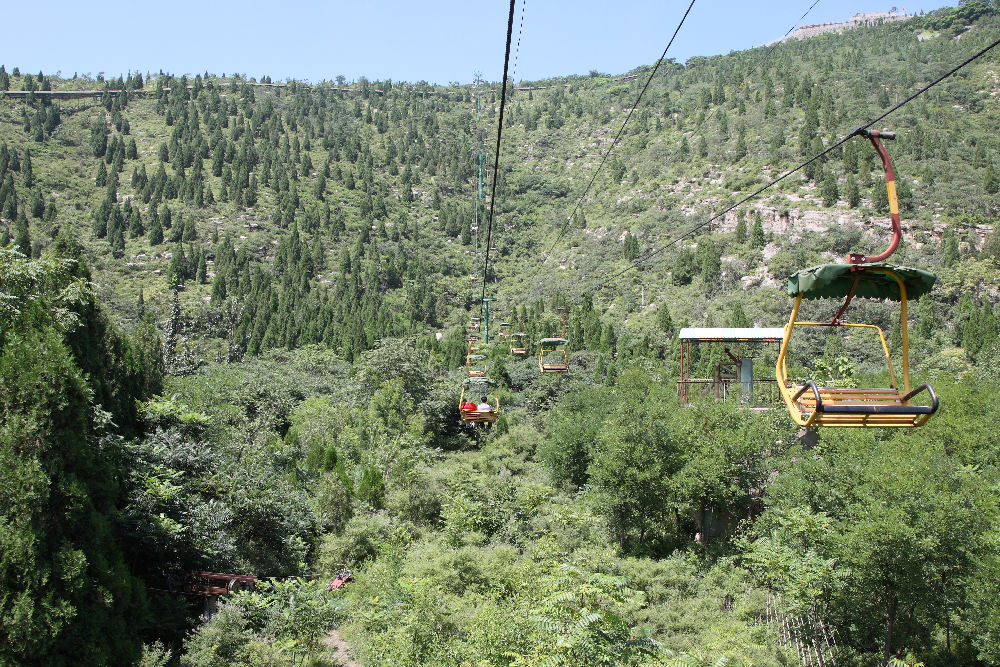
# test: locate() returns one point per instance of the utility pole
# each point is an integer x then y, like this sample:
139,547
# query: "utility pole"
479,154
486,319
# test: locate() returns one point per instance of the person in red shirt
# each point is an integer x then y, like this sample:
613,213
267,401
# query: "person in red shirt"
468,405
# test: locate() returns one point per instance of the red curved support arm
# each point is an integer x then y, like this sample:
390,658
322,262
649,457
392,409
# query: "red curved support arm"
890,185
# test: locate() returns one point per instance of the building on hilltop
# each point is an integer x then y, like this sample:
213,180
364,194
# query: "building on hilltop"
856,21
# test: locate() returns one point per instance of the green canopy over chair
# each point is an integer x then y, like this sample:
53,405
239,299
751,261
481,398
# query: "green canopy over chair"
836,281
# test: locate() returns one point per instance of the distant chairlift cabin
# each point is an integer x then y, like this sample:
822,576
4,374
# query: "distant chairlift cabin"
732,376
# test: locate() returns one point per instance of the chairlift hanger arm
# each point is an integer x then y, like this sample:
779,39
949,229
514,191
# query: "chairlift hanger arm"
874,137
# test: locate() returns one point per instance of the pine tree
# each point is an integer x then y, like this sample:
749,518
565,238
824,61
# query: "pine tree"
829,191
26,172
155,231
102,175
202,273
135,228
949,248
711,261
218,289
22,235
664,321
991,184
740,233
851,192
190,232
37,204
98,137
757,237
630,248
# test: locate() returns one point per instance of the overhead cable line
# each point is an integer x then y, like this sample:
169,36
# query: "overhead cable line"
517,48
618,136
496,161
831,147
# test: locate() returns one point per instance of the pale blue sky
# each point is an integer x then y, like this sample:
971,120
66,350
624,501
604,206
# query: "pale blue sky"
436,41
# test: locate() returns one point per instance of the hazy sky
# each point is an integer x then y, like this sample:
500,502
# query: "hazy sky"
436,41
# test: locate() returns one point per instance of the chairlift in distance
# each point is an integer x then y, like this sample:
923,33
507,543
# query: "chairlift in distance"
477,387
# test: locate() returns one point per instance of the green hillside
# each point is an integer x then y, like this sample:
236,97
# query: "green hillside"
233,331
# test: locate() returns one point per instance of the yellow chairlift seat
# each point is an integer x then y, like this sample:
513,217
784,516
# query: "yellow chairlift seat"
504,330
557,360
477,387
475,365
811,404
519,343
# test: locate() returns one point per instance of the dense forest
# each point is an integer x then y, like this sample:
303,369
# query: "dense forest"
233,331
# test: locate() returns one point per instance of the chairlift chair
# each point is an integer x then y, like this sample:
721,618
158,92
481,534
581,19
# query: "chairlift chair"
479,386
553,355
518,343
557,350
811,404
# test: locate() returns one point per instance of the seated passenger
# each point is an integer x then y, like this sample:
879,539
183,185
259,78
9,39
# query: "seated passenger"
484,406
467,405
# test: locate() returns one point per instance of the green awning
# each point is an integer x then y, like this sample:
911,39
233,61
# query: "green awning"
476,357
834,281
519,335
553,341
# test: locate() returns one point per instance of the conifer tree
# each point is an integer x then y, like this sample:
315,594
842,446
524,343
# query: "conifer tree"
26,172
740,233
218,289
949,248
155,231
757,237
829,191
102,175
98,137
851,192
711,262
202,273
22,235
991,184
37,204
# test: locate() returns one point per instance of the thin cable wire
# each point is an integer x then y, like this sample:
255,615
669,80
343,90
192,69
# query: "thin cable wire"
618,136
517,49
768,53
831,147
746,78
496,161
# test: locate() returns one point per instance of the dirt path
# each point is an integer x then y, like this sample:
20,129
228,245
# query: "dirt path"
341,652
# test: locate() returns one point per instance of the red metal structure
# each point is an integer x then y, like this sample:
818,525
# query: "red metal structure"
890,184
737,372
340,579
